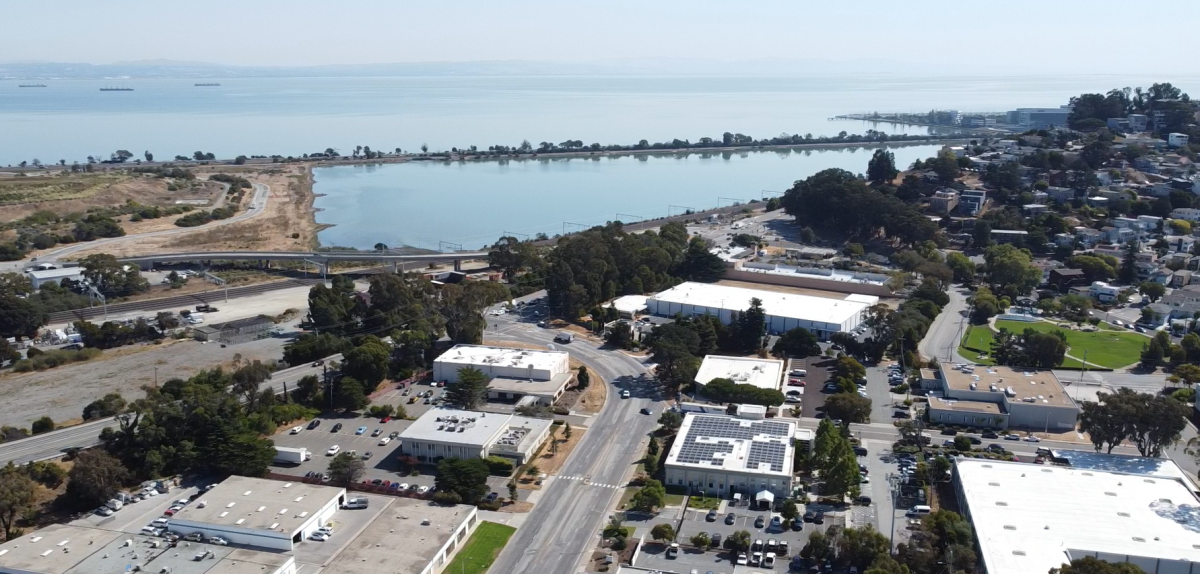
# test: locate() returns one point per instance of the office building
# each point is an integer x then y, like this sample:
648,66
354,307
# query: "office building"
514,373
452,433
784,311
762,373
723,455
1000,398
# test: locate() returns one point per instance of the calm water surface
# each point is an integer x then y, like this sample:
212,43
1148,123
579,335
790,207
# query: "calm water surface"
474,203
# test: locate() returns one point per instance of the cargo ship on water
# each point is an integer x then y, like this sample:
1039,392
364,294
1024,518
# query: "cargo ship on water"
31,85
208,85
116,89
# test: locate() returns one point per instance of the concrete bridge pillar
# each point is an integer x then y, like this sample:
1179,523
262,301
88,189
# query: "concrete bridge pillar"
458,265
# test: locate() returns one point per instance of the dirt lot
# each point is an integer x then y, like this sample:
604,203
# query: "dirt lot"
63,194
287,224
61,393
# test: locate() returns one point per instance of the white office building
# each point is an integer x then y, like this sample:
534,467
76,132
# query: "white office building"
722,455
762,373
1030,518
823,316
514,373
259,512
452,433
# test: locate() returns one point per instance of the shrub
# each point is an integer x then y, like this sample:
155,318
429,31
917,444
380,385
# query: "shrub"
493,505
33,352
499,466
447,497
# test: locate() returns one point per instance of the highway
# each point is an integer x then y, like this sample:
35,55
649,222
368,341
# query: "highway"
562,529
55,443
178,301
322,257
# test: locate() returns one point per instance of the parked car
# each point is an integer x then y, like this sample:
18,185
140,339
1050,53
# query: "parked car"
360,430
218,541
711,516
314,424
333,450
729,518
1032,438
383,441
377,432
760,521
104,511
625,394
715,540
318,536
336,427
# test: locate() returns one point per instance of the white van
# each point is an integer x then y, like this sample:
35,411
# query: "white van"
798,373
356,503
918,510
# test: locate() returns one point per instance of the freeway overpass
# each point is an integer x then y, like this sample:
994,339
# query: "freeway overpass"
320,257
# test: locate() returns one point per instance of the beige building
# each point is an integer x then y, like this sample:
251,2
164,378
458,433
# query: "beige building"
999,397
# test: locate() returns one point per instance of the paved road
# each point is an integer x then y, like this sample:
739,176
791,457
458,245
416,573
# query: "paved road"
944,335
562,529
258,205
54,444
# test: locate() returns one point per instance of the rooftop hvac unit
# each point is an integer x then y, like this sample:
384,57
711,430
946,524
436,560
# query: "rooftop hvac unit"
461,429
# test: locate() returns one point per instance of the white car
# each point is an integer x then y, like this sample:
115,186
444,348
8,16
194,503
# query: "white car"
403,486
326,530
218,541
1032,438
423,489
296,430
625,394
104,511
333,450
383,441
319,536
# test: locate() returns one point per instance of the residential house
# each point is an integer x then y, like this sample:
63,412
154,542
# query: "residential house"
1184,302
1103,292
1087,236
1137,122
1041,197
1186,213
1180,278
1118,124
972,201
1097,201
1033,209
1061,194
1064,279
1064,239
1150,222
1119,235
1177,140
1009,235
1180,243
943,201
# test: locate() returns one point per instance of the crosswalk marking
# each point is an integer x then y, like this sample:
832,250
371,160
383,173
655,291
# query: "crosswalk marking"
584,478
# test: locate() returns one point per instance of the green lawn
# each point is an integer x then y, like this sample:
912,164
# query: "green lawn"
481,549
979,337
1111,349
673,500
703,503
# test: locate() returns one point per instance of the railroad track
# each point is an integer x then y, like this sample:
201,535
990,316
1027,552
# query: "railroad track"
179,301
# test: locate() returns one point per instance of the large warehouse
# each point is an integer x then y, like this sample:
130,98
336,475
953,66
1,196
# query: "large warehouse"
1030,518
822,316
721,455
261,513
451,433
514,373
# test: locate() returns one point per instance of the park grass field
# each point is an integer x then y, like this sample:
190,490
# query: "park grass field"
481,549
1112,349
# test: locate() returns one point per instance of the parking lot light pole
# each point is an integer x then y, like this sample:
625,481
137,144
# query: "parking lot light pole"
894,488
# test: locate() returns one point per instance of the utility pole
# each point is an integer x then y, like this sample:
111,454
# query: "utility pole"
328,383
1081,372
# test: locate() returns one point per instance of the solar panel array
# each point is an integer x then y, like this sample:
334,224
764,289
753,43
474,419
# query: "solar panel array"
768,442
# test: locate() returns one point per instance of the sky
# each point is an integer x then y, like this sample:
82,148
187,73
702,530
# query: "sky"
1043,36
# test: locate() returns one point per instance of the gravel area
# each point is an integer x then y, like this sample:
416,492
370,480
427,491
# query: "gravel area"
61,393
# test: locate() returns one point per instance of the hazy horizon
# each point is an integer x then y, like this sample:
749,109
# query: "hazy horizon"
938,37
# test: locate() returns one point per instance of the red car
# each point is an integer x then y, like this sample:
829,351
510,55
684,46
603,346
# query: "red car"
796,382
385,419
169,512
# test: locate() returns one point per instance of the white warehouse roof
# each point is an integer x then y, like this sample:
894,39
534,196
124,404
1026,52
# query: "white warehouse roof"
1031,518
473,428
775,303
762,373
483,355
722,442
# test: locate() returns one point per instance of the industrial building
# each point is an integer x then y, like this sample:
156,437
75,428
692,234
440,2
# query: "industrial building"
514,373
999,397
239,331
411,537
452,433
259,512
1031,518
723,455
69,549
785,311
762,373
39,277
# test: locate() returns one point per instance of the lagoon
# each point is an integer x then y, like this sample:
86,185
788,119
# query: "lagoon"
471,204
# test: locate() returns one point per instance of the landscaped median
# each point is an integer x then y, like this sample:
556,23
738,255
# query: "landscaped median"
481,549
1105,347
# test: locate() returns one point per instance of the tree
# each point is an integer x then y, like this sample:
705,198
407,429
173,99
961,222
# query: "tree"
1091,565
94,478
861,547
16,498
19,316
842,476
670,421
818,547
466,477
1153,290
700,540
349,394
825,443
962,267
42,425
346,468
738,541
1151,422
662,532
652,495
882,167
368,362
848,407
798,342
583,378
962,443
789,512
1187,374
1010,270
512,490
112,278
1127,273
470,390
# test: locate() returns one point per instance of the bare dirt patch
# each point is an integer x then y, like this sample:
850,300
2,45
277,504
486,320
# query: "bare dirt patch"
517,507
61,393
548,461
588,400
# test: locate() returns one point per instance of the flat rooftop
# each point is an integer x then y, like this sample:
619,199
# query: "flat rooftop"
1027,518
477,355
397,541
259,504
1091,460
484,430
762,373
531,386
730,443
57,548
942,403
630,303
775,303
1039,385
242,561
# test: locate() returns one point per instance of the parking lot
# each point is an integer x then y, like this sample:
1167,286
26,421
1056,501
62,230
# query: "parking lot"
383,463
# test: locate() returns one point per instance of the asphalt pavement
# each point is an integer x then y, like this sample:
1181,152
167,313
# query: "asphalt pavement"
562,529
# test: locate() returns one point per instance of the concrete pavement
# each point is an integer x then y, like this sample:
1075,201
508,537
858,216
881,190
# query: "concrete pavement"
561,530
944,335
